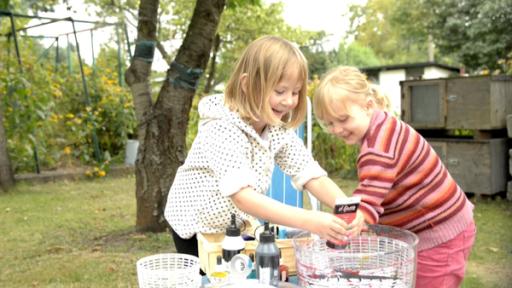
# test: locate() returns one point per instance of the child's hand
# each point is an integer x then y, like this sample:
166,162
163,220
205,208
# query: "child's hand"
328,226
357,225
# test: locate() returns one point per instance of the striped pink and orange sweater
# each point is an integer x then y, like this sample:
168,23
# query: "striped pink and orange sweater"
403,183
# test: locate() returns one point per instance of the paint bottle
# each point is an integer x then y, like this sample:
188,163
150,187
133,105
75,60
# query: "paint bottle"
267,258
233,243
283,269
219,275
345,209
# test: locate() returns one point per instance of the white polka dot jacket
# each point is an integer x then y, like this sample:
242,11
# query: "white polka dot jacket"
228,155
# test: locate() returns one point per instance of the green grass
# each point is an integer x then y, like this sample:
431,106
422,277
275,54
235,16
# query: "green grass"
81,234
73,234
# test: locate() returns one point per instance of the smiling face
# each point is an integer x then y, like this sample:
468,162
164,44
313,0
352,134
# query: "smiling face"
349,121
265,76
282,99
285,96
344,104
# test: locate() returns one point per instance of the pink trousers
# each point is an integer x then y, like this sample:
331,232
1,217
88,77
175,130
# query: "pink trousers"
443,266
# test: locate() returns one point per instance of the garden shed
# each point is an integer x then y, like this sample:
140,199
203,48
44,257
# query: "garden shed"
388,77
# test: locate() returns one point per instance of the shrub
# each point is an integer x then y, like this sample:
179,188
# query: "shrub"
47,112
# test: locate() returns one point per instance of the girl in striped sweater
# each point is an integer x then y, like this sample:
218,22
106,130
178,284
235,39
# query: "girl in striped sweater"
402,181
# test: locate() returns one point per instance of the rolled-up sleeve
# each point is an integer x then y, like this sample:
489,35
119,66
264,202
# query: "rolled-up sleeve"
229,153
295,160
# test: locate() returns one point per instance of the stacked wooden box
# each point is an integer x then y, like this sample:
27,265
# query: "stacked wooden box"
464,119
509,132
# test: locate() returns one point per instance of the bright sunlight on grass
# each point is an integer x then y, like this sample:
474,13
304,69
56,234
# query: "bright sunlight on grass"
81,234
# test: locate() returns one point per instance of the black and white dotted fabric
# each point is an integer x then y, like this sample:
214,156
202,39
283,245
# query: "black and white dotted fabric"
226,156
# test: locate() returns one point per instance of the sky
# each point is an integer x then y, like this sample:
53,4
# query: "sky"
319,15
327,15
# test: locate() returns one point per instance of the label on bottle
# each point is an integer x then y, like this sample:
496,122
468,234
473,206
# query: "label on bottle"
267,269
265,275
345,209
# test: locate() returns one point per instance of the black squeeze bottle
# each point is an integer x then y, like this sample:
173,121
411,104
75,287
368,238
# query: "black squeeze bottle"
267,258
233,243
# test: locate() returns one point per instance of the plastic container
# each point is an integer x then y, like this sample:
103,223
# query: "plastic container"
171,270
382,257
233,243
267,258
131,151
220,275
240,267
345,209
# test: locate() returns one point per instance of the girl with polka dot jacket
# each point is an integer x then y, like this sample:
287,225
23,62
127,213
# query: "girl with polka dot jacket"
241,135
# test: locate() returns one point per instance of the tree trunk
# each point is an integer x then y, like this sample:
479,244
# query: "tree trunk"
6,175
163,125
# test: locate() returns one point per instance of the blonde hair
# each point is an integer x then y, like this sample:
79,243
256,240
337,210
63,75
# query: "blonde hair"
265,61
345,84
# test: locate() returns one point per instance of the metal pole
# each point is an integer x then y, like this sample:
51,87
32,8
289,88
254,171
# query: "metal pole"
96,95
57,55
92,54
84,83
8,13
68,50
13,32
87,100
127,41
119,59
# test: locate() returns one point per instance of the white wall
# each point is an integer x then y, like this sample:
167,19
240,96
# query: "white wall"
389,83
435,72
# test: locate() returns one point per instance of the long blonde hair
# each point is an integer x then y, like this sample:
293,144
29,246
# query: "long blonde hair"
345,84
265,61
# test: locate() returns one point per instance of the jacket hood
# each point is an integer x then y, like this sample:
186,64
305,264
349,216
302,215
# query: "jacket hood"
212,108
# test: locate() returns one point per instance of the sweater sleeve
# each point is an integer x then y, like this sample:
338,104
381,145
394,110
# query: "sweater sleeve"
376,178
378,164
295,160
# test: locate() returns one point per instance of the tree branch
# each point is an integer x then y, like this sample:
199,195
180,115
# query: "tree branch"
164,53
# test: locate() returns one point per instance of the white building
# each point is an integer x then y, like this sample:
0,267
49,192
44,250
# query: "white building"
388,77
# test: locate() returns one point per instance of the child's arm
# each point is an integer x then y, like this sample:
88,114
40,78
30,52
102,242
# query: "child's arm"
325,190
326,225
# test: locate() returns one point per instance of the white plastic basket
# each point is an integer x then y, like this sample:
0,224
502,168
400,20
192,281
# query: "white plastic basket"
171,270
382,257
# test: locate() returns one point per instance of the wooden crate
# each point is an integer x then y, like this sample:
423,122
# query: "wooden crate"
209,246
510,162
509,191
509,125
478,166
477,102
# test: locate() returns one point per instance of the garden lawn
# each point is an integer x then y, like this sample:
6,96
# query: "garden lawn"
73,234
81,234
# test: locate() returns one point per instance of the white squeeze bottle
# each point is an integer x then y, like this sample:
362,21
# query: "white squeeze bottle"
267,258
233,242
